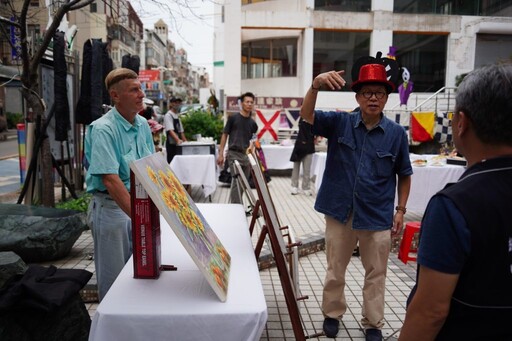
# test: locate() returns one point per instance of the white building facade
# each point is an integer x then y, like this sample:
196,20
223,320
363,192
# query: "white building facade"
275,48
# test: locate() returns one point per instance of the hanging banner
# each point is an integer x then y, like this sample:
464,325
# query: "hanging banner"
272,114
149,75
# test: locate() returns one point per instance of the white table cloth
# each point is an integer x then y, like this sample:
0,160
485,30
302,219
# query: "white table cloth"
180,305
277,156
318,167
196,170
426,181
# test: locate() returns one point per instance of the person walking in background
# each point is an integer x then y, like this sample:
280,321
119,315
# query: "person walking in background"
147,110
365,155
240,129
111,142
173,128
303,154
464,276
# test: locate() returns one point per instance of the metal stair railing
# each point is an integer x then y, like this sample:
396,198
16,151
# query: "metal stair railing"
445,95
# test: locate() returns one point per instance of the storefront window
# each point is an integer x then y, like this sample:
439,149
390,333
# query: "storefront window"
343,5
269,58
455,7
338,51
425,58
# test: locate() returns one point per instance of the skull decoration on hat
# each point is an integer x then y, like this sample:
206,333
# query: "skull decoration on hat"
375,70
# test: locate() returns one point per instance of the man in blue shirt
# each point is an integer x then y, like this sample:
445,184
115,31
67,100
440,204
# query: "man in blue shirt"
464,280
366,152
111,142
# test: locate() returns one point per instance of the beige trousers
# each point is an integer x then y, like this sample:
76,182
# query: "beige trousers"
374,248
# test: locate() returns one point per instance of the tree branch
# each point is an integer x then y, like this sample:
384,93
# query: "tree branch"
25,75
78,5
47,38
8,22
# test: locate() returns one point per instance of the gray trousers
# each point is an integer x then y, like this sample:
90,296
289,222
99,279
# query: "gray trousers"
306,172
235,194
112,234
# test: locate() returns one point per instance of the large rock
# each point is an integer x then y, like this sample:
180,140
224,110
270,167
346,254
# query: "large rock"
10,265
39,234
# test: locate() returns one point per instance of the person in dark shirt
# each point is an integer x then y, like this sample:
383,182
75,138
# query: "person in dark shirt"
240,128
175,134
464,276
303,154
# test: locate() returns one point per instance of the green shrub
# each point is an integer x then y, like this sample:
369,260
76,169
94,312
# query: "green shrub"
459,79
204,123
81,204
13,118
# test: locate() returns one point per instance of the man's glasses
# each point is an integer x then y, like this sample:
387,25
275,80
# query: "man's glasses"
369,94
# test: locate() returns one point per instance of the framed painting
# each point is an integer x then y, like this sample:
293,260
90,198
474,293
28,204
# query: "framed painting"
185,219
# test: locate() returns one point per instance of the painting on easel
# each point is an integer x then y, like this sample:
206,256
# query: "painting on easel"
185,219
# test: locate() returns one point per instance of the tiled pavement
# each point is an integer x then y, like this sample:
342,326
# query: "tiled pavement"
298,213
10,179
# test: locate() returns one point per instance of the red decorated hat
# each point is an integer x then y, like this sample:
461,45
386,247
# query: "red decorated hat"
373,74
376,70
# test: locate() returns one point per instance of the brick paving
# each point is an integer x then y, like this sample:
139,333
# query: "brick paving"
308,225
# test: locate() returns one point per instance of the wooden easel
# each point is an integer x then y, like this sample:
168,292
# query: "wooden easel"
245,188
255,205
285,252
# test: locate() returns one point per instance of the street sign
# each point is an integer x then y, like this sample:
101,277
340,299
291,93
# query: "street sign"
15,41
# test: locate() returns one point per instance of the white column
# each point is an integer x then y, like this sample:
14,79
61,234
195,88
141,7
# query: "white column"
382,5
381,40
306,67
382,34
232,48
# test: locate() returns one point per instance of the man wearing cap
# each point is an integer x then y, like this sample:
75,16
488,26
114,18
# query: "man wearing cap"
173,128
366,152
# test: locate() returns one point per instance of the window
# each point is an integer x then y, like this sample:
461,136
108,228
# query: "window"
338,51
425,57
499,8
344,5
455,7
93,7
269,58
247,2
492,48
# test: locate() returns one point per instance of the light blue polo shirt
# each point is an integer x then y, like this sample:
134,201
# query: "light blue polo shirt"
361,168
111,143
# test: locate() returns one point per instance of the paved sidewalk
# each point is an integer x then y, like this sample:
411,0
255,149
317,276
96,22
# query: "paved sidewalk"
295,211
10,179
308,225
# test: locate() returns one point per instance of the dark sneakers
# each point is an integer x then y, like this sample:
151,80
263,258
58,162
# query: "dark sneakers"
373,335
331,327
